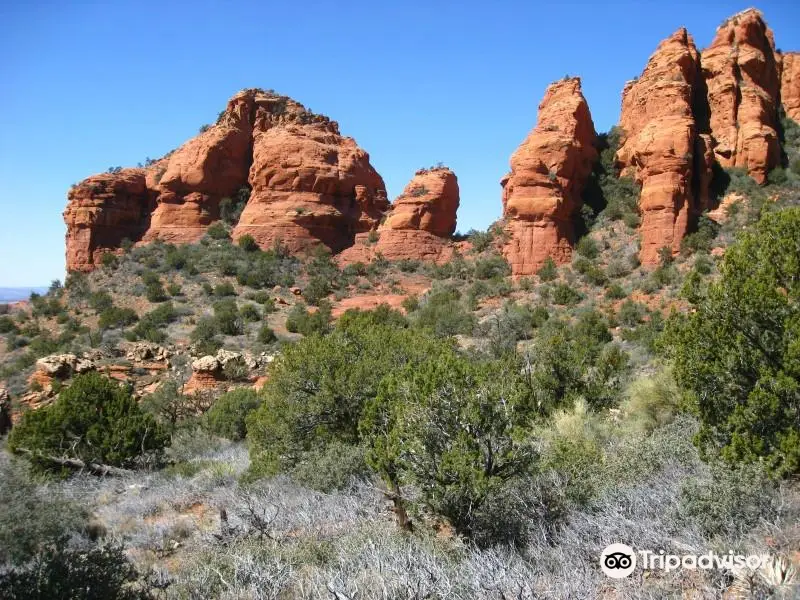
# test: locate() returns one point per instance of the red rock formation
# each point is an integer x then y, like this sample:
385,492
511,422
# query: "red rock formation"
790,85
309,185
743,80
102,211
542,194
420,223
660,142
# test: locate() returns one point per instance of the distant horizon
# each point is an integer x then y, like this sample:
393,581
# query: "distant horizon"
414,85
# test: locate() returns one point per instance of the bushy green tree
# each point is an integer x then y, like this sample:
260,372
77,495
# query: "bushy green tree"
94,420
227,416
318,387
459,430
738,354
59,571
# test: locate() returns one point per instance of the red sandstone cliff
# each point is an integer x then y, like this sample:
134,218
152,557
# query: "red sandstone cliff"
542,193
309,184
660,142
741,72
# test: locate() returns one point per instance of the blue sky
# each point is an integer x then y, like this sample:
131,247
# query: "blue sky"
88,85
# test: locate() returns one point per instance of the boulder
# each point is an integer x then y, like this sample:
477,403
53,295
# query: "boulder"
542,193
147,351
206,364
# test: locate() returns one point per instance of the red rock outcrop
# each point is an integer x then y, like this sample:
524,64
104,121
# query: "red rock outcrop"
419,225
542,193
102,211
309,185
790,85
741,72
660,142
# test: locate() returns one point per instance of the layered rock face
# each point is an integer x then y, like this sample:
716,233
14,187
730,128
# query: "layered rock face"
101,212
542,193
790,85
309,185
741,72
419,226
660,143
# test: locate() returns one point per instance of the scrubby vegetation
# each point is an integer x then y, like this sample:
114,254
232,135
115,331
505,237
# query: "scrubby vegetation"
485,438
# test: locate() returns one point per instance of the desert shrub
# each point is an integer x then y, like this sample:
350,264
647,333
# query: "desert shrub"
651,401
155,292
249,312
565,295
442,313
548,272
631,313
236,370
319,386
409,266
61,571
317,289
115,317
617,268
173,289
227,318
737,354
217,231
109,260
587,247
591,272
431,425
227,416
568,362
777,176
700,240
266,335
512,323
100,301
151,324
480,240
94,420
7,325
333,467
30,518
171,407
248,243
230,209
301,320
703,264
204,336
491,267
224,289
615,292
731,502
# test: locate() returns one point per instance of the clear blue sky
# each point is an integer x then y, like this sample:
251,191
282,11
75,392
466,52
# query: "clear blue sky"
88,85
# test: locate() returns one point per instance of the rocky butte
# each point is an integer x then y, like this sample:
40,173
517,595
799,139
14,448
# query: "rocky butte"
310,185
542,193
419,225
